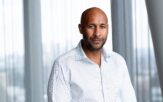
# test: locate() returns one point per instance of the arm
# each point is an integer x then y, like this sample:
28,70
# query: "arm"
58,85
127,91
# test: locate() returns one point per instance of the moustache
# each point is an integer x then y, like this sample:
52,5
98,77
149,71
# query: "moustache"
97,39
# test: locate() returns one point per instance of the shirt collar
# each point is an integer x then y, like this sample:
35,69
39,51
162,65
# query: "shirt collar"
81,54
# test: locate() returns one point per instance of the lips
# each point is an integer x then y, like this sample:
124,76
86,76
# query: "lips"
96,41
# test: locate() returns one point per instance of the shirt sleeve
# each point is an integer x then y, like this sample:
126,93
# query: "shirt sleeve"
127,91
58,86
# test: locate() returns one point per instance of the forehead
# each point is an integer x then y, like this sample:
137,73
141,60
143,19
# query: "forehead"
94,16
96,19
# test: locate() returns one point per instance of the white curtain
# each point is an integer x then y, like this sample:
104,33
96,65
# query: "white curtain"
155,16
11,51
59,33
146,75
132,39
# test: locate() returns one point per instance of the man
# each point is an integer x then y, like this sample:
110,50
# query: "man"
88,73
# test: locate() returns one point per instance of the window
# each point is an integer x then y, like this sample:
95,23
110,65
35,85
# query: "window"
11,51
145,70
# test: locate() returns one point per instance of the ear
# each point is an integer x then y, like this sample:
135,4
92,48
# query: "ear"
80,28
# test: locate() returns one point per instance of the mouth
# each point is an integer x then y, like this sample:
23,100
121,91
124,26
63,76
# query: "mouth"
96,41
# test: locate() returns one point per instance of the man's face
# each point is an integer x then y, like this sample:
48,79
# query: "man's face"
94,30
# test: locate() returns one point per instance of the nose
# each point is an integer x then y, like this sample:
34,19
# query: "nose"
97,31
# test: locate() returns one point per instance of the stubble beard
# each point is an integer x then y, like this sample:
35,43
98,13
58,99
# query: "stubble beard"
92,47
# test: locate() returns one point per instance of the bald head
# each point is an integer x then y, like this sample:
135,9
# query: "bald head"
91,12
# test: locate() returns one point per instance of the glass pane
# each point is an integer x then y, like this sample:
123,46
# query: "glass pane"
11,51
145,70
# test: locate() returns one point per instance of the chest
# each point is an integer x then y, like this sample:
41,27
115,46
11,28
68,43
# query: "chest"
90,80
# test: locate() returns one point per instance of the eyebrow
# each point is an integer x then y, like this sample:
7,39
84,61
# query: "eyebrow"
99,24
103,24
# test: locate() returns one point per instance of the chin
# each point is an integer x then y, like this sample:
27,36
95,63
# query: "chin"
96,48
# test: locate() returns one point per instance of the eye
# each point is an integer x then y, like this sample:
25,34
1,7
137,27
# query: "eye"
103,26
91,26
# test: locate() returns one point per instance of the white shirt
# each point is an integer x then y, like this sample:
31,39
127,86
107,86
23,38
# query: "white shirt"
75,78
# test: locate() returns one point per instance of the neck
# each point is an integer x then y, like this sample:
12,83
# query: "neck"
94,56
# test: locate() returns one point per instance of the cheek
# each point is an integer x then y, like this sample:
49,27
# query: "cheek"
88,33
86,36
105,33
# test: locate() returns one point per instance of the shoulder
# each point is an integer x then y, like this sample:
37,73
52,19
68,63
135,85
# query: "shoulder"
67,56
61,62
117,58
